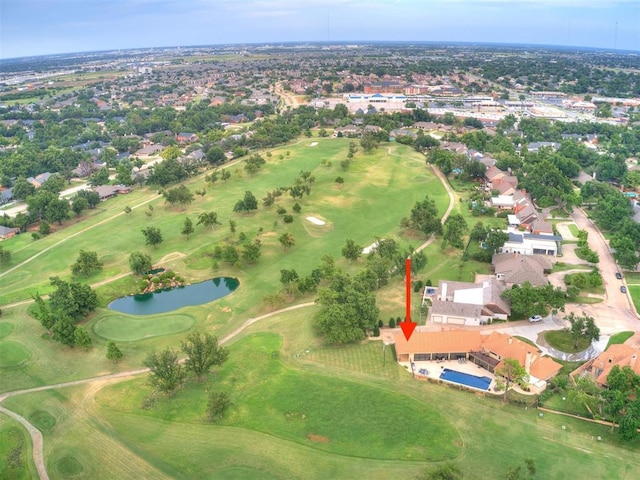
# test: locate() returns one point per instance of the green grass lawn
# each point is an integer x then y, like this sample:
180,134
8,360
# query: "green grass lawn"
279,398
634,291
300,409
563,267
562,341
573,228
619,338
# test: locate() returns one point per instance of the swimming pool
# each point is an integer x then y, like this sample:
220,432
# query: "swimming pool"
465,379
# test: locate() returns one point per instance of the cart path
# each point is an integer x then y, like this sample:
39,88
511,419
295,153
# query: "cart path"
36,435
73,235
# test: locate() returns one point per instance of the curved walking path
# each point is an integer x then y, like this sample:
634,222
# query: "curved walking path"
36,435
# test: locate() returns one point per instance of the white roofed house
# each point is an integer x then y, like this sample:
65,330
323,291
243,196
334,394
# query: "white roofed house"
530,244
463,303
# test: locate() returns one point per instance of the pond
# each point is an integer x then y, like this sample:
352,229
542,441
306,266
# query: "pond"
167,301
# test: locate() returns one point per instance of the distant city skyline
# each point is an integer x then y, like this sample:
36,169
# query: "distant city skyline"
43,27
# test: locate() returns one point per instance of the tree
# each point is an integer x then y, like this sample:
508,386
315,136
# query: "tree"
5,256
153,236
248,203
287,240
582,326
202,352
86,264
113,352
216,405
348,309
101,177
63,331
208,219
81,338
251,251
71,300
180,195
478,232
215,155
495,240
351,251
171,153
139,262
22,189
187,227
166,372
369,142
455,227
424,217
448,471
79,204
512,372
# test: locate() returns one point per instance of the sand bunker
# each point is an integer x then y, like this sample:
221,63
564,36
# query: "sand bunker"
370,248
316,221
313,144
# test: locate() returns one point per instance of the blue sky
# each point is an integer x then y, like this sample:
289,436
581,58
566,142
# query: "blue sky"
37,27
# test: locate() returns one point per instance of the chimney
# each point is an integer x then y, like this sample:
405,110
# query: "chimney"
527,362
510,340
443,292
632,363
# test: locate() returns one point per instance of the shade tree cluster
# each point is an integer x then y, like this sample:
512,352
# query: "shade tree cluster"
68,304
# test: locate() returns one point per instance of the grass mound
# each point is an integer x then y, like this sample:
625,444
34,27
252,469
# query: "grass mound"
69,466
123,328
13,354
43,420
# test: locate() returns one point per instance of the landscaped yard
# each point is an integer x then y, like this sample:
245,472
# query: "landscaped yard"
561,340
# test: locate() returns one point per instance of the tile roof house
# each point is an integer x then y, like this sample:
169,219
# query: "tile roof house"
622,355
487,351
515,269
6,195
463,303
109,191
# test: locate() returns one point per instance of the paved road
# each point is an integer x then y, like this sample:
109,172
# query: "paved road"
616,313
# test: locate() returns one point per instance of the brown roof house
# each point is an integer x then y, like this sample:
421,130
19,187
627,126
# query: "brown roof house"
463,303
515,269
623,355
486,351
8,232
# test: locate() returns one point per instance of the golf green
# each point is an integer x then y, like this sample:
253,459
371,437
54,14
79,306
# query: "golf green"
124,328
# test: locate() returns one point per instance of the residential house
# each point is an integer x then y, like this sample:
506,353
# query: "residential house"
486,351
8,232
108,191
530,244
186,137
464,303
149,150
622,355
348,131
515,269
6,195
38,180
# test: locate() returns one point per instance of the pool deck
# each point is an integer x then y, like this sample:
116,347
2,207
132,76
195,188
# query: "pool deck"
434,369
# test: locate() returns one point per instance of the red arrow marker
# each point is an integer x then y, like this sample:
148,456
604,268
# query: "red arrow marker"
408,326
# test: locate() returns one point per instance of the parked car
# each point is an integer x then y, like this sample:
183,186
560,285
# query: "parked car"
535,319
623,289
618,275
